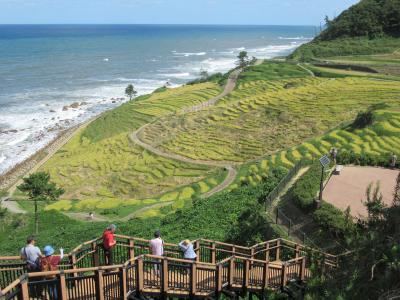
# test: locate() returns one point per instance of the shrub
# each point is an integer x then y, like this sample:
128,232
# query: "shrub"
331,219
363,120
346,157
306,188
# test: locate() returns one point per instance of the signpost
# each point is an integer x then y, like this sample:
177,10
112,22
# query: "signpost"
325,161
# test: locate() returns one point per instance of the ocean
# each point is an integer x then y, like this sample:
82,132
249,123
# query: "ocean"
46,68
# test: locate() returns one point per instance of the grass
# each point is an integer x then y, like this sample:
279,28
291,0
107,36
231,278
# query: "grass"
102,167
380,139
346,46
262,117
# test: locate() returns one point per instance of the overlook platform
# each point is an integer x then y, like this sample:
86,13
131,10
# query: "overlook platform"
220,268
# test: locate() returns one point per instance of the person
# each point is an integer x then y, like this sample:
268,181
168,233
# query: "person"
188,251
50,263
31,255
157,248
393,161
157,244
109,243
91,216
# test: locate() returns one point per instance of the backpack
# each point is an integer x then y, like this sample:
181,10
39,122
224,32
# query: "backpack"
47,265
32,266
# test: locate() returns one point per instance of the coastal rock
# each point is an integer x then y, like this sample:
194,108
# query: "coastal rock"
74,105
52,111
65,108
84,103
113,101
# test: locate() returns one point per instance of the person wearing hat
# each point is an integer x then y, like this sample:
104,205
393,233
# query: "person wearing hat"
109,243
31,255
49,263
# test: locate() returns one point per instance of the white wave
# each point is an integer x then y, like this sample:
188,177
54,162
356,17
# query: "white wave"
106,59
183,75
188,54
239,49
2,158
295,38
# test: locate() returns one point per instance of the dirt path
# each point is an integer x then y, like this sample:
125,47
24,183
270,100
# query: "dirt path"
12,206
307,70
229,166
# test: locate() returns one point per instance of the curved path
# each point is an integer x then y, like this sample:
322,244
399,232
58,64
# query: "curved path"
229,166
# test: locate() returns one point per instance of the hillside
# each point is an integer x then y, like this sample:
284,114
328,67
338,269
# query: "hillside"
369,27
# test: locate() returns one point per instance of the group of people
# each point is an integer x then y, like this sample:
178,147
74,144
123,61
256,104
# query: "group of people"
156,245
38,262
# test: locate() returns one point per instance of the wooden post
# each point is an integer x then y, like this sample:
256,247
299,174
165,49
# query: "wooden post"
131,250
63,286
297,251
123,283
267,252
252,253
139,276
284,275
95,255
99,281
303,269
265,275
213,254
197,247
278,250
231,271
164,278
193,280
218,278
233,250
24,287
246,275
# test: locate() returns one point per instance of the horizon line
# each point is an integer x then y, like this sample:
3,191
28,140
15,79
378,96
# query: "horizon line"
149,24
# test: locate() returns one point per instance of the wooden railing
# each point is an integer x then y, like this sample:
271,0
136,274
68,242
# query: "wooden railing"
219,267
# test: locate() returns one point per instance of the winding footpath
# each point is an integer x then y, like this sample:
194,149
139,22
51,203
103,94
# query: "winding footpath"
228,166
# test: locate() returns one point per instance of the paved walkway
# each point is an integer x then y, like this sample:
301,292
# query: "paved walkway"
349,188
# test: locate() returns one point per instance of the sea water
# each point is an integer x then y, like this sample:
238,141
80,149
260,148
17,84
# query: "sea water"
46,68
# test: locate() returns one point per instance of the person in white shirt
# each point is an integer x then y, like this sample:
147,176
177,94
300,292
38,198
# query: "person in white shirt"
157,244
31,255
157,248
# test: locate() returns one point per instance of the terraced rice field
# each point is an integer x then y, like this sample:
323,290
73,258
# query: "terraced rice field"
101,167
263,117
381,139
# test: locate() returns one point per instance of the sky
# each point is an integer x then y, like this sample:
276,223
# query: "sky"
240,12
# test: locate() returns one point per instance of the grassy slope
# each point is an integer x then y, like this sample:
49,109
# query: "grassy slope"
102,166
262,117
345,46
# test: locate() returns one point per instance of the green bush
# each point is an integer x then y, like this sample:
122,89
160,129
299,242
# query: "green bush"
305,190
331,219
346,157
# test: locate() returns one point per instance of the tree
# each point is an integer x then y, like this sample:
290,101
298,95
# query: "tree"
130,91
242,59
40,189
374,203
203,74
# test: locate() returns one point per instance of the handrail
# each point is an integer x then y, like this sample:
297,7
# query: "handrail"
11,286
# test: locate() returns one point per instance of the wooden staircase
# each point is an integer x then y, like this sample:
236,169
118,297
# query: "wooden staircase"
220,268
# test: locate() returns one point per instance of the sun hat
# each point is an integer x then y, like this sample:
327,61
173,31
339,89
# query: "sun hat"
48,250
